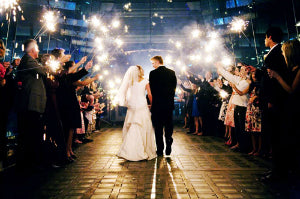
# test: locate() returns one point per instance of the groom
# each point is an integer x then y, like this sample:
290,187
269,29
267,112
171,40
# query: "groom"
163,84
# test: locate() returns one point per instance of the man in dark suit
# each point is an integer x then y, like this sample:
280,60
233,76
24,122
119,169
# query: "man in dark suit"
273,98
163,85
31,106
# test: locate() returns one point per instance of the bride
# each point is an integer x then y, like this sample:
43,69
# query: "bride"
138,133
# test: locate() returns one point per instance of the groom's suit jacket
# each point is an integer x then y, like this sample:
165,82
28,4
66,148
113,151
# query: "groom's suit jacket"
163,85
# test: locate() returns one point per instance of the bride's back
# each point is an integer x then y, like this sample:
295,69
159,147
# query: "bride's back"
136,95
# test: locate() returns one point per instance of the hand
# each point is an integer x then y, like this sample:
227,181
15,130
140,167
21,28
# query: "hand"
89,65
96,76
272,74
149,106
83,60
200,77
6,65
179,81
270,105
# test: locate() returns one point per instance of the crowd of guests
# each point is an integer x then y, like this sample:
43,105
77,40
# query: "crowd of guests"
54,102
258,108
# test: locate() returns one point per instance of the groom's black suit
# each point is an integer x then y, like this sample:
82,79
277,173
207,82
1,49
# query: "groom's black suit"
163,85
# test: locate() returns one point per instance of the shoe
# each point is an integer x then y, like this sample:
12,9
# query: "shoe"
78,141
200,134
74,156
159,153
86,140
168,150
70,160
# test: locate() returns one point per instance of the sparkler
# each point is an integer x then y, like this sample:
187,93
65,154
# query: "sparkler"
208,59
106,72
178,44
196,33
226,61
53,64
50,19
223,94
126,29
238,25
96,67
168,59
119,42
116,23
6,5
95,22
127,7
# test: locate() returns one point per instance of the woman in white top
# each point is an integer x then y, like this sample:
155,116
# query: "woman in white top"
240,84
138,133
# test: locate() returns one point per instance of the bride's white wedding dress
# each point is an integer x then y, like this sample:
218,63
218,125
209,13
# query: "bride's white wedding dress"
138,133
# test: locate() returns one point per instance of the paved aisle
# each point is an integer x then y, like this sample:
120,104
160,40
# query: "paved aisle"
199,167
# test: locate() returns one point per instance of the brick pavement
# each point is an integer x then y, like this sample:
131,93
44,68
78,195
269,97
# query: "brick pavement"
199,167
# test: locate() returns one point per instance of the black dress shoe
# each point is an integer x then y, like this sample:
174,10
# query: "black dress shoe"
159,153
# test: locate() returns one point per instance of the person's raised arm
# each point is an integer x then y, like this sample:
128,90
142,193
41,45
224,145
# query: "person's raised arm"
74,68
285,86
245,91
228,76
86,82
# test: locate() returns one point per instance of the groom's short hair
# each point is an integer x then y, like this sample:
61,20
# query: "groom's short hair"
158,58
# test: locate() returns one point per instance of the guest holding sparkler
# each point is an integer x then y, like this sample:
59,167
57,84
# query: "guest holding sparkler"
240,100
68,102
31,106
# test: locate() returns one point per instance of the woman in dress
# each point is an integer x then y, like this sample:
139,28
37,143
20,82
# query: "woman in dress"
253,114
138,133
291,136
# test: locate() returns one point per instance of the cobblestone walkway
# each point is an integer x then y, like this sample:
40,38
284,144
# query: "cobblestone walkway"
199,167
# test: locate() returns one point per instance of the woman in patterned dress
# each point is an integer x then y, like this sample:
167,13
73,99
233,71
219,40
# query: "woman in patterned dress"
253,114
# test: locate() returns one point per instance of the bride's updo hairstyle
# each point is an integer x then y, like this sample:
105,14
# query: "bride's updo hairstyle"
141,71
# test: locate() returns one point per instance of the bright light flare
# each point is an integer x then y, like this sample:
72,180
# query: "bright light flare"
208,59
104,29
127,7
118,80
102,58
119,42
178,44
223,94
50,20
95,21
53,64
196,33
9,5
116,24
96,67
105,72
226,61
168,59
238,25
111,84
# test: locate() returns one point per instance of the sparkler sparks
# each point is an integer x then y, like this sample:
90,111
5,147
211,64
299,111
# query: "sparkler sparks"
127,7
50,19
95,22
116,23
238,25
178,44
53,64
196,33
119,42
226,61
9,5
223,94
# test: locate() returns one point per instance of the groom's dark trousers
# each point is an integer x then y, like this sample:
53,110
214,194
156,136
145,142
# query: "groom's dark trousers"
161,120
